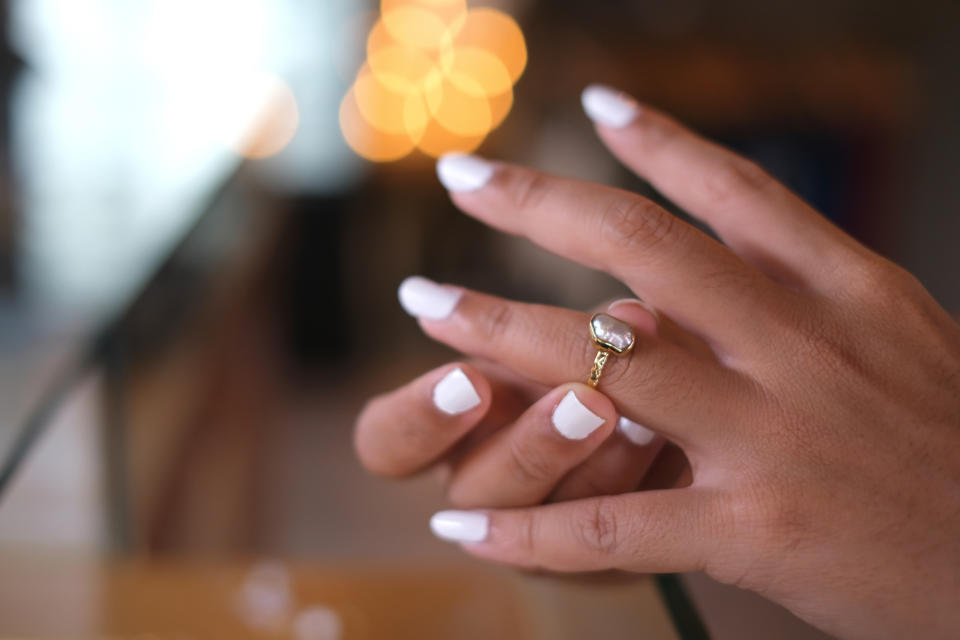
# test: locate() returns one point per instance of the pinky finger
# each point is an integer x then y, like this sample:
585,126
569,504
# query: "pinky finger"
652,531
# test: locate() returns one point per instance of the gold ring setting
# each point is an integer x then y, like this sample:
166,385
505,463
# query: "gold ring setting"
611,336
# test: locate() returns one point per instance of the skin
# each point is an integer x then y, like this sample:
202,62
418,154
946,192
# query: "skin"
813,386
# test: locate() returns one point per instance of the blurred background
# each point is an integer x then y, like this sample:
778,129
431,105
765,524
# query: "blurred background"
206,208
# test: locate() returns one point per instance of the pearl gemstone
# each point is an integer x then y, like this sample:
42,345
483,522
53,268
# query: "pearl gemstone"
611,333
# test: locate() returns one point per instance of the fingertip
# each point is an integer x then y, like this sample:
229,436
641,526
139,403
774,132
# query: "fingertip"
609,107
459,388
461,172
579,411
425,299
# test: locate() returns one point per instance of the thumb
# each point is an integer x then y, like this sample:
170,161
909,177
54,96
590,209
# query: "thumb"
672,530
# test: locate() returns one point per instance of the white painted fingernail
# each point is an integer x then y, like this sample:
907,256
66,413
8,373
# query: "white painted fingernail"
462,172
608,106
635,433
454,394
573,420
460,526
424,298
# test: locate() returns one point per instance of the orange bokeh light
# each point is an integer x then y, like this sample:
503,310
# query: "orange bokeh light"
438,77
478,72
423,24
437,141
367,141
389,110
415,27
496,33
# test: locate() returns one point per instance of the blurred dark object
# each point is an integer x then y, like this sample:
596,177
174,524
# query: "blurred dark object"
313,281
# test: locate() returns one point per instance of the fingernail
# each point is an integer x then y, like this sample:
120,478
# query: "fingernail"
462,172
455,394
424,298
635,433
460,526
573,420
608,106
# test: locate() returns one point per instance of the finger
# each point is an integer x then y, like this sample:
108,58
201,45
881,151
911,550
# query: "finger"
762,220
618,466
521,464
402,432
670,264
688,399
653,531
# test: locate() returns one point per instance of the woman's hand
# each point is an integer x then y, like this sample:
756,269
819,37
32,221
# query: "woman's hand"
824,437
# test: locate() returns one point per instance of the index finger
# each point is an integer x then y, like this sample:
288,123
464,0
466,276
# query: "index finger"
703,285
762,220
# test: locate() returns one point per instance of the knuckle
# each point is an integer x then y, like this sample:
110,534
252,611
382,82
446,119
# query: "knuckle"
821,348
880,281
525,188
729,275
597,528
635,224
527,535
493,323
737,176
659,132
528,464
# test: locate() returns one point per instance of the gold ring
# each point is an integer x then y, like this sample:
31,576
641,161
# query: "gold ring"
611,336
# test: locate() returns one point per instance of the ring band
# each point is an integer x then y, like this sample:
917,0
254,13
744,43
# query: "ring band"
611,336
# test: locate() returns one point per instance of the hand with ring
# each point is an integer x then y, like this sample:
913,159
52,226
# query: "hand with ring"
813,386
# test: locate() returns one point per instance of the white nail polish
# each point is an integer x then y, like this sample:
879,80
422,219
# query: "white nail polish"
460,526
455,394
573,420
635,433
462,172
609,106
424,298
